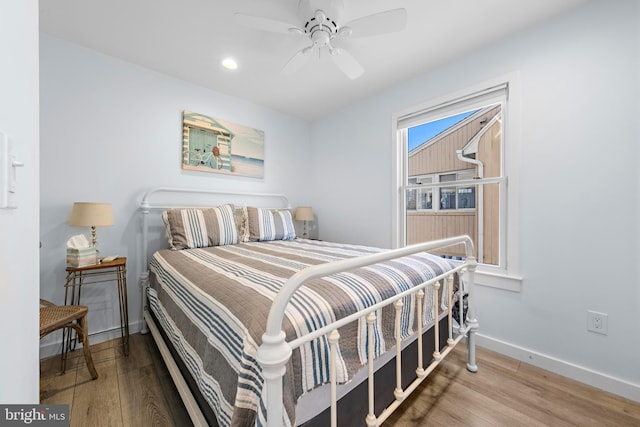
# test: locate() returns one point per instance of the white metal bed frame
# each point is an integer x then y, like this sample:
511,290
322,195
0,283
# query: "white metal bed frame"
275,351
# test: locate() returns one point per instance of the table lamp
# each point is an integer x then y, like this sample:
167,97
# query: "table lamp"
304,214
85,214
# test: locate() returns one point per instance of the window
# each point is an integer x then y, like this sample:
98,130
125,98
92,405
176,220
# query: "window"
449,198
419,199
464,148
452,181
466,195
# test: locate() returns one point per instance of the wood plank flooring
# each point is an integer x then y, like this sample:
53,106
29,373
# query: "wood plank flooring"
137,391
134,391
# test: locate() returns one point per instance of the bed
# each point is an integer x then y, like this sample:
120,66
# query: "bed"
259,327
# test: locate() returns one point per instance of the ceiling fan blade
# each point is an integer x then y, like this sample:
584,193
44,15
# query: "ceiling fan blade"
378,23
347,63
297,61
266,24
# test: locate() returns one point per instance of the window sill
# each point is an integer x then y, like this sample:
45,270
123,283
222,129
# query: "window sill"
503,281
496,278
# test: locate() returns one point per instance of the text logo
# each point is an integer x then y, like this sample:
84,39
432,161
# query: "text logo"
34,415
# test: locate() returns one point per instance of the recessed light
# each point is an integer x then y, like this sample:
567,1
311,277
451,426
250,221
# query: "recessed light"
229,64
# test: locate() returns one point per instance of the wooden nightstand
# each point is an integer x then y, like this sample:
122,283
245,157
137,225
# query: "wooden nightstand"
111,271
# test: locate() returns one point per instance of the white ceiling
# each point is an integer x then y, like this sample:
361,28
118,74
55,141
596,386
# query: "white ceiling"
188,39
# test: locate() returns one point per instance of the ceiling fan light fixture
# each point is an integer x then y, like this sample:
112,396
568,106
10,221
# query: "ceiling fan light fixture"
321,25
230,64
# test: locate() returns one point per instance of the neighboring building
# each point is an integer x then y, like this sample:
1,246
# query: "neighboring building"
470,149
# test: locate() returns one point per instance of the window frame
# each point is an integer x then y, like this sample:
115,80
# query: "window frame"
507,275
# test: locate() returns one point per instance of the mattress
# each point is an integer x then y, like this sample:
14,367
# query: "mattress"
213,304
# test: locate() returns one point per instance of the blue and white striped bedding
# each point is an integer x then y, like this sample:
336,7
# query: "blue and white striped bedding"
213,304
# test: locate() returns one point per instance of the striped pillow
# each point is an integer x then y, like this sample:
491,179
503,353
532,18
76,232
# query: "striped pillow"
267,224
200,228
242,221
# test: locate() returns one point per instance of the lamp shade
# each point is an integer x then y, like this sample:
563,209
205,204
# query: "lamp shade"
304,213
84,214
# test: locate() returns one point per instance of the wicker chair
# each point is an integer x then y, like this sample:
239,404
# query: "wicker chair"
54,317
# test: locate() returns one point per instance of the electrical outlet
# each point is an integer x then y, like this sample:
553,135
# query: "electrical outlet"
597,322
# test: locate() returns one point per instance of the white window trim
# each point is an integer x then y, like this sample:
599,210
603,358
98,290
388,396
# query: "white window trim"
509,277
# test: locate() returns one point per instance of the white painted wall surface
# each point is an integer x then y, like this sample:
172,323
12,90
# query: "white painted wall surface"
110,132
579,195
19,264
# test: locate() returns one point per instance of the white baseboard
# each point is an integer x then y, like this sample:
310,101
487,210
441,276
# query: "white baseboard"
49,349
584,375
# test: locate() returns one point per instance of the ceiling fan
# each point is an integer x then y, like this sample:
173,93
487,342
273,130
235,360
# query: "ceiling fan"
320,23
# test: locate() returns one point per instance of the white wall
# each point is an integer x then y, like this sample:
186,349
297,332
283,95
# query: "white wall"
111,131
579,198
19,369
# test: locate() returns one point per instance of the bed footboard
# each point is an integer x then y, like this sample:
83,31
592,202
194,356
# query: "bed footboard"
275,351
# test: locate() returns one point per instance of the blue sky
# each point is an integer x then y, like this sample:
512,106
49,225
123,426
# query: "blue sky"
422,133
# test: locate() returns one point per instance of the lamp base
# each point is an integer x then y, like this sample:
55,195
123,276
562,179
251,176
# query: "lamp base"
94,239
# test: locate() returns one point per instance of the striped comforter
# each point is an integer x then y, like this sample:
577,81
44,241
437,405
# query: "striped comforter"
213,304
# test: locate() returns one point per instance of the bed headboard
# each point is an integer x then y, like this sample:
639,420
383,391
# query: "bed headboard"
159,199
171,197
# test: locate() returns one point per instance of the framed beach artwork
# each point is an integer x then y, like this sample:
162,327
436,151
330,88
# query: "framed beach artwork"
218,146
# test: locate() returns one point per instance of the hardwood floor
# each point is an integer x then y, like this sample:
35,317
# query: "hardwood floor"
507,392
137,391
134,391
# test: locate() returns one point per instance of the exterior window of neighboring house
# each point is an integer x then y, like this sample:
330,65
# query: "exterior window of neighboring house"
449,198
451,179
420,199
461,197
